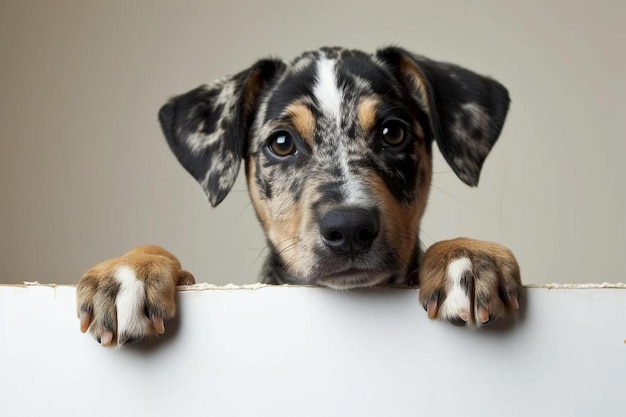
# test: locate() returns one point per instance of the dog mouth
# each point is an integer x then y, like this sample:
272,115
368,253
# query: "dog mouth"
354,278
355,270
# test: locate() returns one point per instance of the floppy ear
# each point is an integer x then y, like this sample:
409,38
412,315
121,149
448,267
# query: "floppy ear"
207,127
466,110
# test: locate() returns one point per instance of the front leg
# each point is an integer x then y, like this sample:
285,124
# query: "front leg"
127,298
470,282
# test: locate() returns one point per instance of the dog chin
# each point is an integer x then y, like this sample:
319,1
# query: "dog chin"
353,280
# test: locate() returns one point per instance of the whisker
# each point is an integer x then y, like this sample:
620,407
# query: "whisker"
246,207
259,256
294,242
428,236
265,251
452,196
288,248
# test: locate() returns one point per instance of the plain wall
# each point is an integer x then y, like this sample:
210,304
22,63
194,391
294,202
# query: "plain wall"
85,173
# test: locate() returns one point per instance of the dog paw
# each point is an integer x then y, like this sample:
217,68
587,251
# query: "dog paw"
125,299
469,282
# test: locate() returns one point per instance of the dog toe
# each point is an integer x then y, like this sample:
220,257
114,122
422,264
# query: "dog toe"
123,300
469,283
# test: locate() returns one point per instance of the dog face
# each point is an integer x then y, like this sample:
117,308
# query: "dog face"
337,147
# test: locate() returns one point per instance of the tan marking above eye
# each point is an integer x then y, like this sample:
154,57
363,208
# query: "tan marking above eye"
367,109
302,119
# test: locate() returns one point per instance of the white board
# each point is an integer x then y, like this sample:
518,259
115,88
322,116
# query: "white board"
314,352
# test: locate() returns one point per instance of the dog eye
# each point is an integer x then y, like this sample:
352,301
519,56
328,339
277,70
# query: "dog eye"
393,133
282,144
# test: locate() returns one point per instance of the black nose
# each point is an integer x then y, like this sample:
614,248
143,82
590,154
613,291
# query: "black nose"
349,230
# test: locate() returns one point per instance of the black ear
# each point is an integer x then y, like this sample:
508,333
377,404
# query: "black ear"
466,110
207,127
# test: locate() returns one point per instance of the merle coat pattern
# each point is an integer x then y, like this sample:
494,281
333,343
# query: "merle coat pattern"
337,148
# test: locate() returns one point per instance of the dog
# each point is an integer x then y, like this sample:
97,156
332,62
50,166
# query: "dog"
337,147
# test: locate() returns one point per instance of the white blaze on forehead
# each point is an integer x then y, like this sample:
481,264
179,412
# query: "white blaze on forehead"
330,100
326,90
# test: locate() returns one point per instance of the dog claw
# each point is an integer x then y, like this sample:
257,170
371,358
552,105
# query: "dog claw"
106,337
483,315
157,323
432,309
85,321
464,315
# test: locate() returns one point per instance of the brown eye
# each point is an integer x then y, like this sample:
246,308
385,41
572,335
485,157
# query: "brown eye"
393,133
282,144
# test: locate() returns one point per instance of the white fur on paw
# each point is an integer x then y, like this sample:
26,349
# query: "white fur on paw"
457,304
130,303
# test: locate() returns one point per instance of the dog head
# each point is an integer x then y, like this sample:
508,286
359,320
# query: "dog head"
337,148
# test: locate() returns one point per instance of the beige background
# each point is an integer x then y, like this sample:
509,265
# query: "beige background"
85,173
